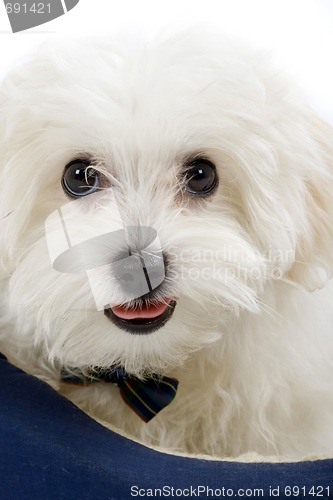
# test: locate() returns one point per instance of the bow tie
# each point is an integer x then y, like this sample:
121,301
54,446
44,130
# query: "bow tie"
145,397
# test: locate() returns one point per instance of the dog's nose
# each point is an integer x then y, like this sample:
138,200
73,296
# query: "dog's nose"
124,264
140,273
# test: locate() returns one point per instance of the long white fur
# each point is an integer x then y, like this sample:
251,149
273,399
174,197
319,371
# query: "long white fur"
251,338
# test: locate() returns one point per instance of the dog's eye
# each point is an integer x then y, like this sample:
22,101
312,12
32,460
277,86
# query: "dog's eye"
201,177
80,179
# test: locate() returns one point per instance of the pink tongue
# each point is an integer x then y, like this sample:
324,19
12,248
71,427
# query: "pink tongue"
151,311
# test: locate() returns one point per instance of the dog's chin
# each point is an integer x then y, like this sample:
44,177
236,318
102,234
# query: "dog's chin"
143,319
159,344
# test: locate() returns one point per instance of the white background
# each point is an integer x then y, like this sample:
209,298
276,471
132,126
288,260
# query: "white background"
299,31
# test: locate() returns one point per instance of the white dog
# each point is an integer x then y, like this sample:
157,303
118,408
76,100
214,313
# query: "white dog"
185,188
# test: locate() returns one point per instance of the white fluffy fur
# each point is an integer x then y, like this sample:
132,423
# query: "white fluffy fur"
251,338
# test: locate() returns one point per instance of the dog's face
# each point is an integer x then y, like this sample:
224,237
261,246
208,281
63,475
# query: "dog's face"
196,153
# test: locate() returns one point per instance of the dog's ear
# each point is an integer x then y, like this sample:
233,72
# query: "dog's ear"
313,264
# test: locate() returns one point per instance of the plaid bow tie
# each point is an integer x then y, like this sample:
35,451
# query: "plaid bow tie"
145,397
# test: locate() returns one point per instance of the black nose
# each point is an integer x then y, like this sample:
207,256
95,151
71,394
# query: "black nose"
151,294
140,273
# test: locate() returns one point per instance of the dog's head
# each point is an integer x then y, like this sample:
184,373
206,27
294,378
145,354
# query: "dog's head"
192,175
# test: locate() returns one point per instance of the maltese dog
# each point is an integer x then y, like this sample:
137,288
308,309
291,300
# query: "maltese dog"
167,243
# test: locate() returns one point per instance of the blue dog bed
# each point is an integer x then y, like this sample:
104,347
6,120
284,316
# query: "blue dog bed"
52,450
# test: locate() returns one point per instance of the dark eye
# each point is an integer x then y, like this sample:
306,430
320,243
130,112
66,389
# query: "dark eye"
80,179
201,177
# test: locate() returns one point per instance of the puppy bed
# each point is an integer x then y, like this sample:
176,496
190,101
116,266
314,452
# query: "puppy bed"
52,450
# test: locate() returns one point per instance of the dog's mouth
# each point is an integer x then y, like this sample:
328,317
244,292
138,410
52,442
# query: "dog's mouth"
143,319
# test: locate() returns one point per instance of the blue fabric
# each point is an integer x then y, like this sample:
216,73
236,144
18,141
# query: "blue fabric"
49,450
